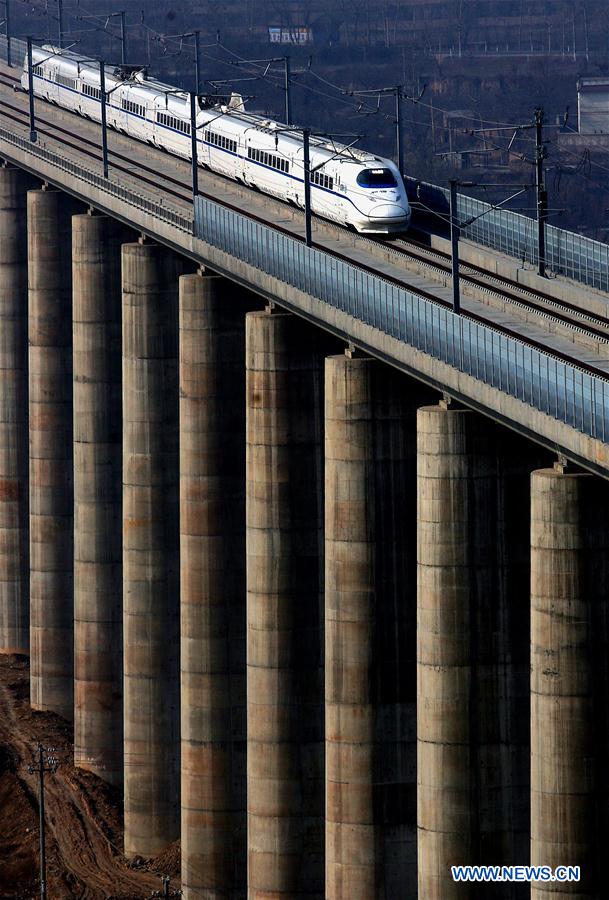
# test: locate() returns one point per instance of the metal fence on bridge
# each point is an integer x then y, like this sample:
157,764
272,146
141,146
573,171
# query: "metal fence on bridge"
567,253
555,387
18,50
184,222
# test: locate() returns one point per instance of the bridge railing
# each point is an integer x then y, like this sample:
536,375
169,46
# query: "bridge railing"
18,50
184,222
567,253
545,382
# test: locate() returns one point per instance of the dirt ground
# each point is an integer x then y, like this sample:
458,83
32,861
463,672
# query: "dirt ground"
83,814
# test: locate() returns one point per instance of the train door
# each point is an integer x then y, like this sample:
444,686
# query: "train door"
292,193
250,169
340,202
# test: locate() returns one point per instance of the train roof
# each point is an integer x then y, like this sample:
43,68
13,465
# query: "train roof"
232,121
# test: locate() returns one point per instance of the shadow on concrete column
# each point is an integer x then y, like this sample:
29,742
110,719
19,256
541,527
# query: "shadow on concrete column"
212,562
50,415
150,547
14,501
98,658
284,584
472,655
370,503
569,652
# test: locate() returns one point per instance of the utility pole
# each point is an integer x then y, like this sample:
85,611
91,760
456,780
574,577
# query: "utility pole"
166,893
455,231
104,125
44,763
288,99
542,194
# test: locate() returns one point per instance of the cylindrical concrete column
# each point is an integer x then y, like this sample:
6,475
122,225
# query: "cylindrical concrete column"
212,563
98,669
471,659
284,693
50,416
150,548
569,571
14,506
454,476
370,564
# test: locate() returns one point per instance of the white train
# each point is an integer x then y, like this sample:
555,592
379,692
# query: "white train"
351,187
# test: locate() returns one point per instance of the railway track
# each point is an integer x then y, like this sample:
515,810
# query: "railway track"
554,310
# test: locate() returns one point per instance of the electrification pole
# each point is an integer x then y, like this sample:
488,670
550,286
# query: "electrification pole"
104,125
288,99
7,22
30,84
197,35
123,38
455,231
60,22
306,135
399,95
542,194
193,146
44,763
398,128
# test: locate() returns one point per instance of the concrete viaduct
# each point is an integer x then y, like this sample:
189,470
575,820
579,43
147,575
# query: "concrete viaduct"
305,595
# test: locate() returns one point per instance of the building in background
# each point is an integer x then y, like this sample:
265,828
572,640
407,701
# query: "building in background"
593,105
300,34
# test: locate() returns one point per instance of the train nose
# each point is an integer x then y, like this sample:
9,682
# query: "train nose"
389,211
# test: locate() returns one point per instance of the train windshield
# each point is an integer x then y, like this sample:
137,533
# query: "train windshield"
377,178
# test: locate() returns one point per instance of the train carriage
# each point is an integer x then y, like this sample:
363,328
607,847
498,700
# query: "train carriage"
352,187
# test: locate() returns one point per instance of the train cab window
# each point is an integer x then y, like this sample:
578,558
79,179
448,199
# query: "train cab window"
377,178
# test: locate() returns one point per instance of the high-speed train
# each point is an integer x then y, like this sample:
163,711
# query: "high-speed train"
349,186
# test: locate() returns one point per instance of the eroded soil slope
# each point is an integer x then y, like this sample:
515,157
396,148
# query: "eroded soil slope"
84,815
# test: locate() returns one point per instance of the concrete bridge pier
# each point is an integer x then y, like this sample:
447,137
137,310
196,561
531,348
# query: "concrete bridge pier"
472,624
50,424
284,662
98,659
150,547
212,561
569,650
370,584
14,493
